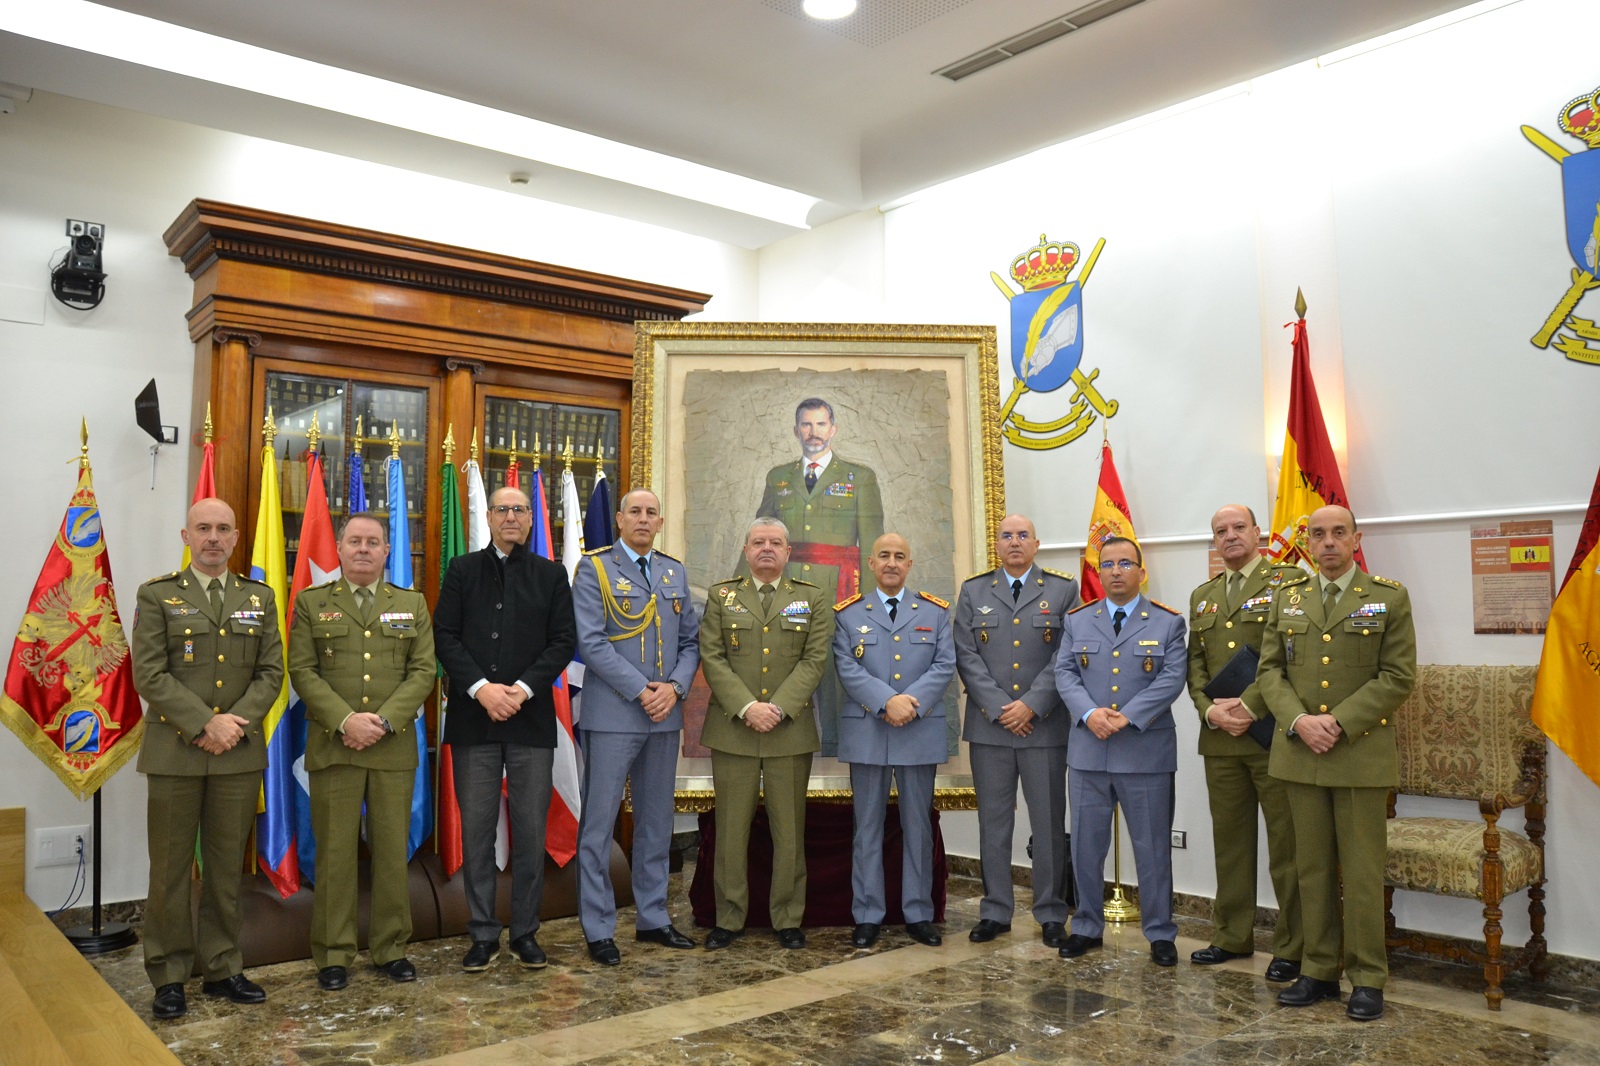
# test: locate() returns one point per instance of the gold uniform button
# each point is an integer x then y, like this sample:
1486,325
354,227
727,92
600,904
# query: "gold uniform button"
1383,721
766,629
188,632
1326,637
766,651
1228,625
805,566
1114,706
222,632
219,682
366,655
897,636
808,526
1323,709
366,699
1016,688
897,677
1116,655
897,658
366,677
1324,684
1116,669
1230,644
1016,643
368,633
764,669
221,659
163,718
1016,621
1324,660
763,692
214,710
1014,666
1116,688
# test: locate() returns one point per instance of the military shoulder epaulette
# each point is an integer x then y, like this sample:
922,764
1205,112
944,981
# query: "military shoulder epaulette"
597,551
668,558
1275,565
980,573
1081,606
931,598
847,601
1164,607
1058,573
803,581
324,585
728,581
252,580
163,577
1391,582
1298,576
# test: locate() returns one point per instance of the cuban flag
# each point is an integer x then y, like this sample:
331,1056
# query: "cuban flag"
315,563
561,828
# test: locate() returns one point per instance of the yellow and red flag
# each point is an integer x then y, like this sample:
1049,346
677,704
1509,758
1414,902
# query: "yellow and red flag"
205,485
69,691
1110,518
1566,697
1309,476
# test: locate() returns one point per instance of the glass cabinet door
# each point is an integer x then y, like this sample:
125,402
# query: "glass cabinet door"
595,436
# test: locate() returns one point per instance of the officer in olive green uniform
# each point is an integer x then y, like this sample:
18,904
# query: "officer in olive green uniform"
1226,614
363,670
763,654
1338,659
210,664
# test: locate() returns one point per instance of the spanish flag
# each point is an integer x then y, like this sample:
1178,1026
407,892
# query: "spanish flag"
1110,518
1566,697
1309,476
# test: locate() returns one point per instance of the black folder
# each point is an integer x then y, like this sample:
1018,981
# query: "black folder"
1231,682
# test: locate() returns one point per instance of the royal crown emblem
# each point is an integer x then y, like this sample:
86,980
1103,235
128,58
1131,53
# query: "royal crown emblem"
1580,184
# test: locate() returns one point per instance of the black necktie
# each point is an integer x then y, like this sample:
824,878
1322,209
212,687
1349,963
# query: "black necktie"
1016,589
893,602
644,568
1116,621
811,476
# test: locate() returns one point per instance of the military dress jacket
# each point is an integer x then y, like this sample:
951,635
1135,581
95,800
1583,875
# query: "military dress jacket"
504,622
1007,651
770,656
1357,662
190,662
341,662
1216,634
876,659
844,508
1138,672
666,648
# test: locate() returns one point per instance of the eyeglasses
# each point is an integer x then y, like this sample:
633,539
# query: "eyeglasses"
504,509
1118,564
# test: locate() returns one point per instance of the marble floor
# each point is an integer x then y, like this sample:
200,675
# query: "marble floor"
1009,1001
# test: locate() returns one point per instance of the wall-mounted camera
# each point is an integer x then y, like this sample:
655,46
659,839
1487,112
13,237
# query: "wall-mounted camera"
79,280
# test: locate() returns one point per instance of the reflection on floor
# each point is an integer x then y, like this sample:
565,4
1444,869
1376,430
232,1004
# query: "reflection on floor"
1010,1001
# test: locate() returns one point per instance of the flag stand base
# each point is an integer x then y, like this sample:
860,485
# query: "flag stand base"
112,936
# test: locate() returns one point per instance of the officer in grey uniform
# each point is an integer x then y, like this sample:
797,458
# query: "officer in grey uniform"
639,637
1008,629
1118,674
895,657
208,657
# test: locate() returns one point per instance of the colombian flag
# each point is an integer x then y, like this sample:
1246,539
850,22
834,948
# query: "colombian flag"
275,837
1566,697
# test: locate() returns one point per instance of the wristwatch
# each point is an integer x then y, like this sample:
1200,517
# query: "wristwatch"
677,688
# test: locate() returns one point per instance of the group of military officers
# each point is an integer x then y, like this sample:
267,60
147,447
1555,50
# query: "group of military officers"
1060,695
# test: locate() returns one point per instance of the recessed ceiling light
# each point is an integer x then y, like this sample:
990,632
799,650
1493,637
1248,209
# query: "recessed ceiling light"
828,9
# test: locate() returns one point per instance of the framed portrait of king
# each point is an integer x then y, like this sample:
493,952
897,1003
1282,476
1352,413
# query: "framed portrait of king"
724,416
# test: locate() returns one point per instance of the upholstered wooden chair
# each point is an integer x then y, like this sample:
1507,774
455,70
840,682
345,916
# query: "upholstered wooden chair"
1465,734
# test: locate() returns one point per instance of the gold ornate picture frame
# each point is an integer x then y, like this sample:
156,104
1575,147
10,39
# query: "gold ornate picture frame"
713,417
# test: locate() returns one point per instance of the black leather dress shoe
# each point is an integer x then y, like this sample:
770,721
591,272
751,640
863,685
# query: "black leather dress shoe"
1366,1004
1054,934
1163,953
792,938
720,938
237,989
605,952
925,933
866,934
528,952
1308,990
169,1002
399,970
1077,944
1212,955
332,978
987,929
480,955
666,936
1282,970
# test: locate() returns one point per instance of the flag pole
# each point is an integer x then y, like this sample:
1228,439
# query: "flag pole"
1120,907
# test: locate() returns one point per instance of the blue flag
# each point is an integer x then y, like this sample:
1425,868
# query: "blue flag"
398,572
355,500
597,520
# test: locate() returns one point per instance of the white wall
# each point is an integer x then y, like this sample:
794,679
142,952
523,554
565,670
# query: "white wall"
1396,188
62,158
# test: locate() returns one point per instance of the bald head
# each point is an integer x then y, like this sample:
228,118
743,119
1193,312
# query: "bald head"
890,562
1235,535
211,532
1333,540
1016,543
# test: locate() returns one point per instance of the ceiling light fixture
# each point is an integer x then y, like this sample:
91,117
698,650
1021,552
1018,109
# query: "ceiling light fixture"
189,53
828,9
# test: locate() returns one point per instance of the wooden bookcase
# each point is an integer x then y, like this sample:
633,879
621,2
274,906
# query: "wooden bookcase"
316,316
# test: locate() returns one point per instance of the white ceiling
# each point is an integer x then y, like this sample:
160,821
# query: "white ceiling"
850,113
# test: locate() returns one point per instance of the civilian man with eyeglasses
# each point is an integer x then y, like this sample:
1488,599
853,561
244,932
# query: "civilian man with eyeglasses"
1008,627
1121,668
505,630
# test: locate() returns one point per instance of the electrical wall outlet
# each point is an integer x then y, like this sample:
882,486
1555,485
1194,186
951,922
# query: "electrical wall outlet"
1180,839
61,846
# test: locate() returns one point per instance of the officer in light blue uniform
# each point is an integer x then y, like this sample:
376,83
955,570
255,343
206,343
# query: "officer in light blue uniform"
639,637
1121,667
895,655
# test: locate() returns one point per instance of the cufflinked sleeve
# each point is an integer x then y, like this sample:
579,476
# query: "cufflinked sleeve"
422,669
267,682
169,698
794,692
322,702
728,692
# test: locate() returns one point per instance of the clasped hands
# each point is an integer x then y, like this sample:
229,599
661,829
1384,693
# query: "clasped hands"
658,699
1017,718
1103,722
500,702
222,733
1320,732
362,730
1230,715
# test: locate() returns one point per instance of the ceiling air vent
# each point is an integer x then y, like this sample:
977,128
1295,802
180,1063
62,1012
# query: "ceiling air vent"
1022,42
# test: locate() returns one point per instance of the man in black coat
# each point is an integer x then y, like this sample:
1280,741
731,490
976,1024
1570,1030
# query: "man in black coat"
504,631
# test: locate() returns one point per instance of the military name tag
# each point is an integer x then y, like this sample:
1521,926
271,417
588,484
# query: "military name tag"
1365,623
1149,644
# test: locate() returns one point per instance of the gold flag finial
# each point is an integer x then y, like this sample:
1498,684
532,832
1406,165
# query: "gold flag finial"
83,444
537,448
567,453
449,443
269,428
208,426
356,444
474,451
394,440
1299,303
513,457
314,434
599,451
